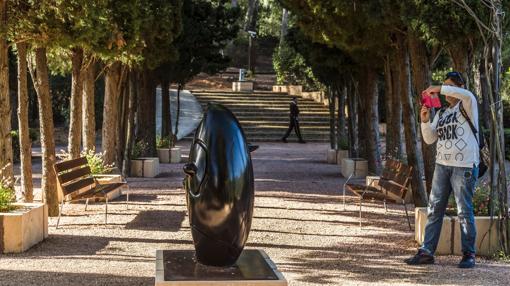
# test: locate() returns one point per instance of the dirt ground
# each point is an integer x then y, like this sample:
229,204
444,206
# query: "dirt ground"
299,220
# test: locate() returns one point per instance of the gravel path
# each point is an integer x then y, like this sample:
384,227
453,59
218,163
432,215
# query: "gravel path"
299,220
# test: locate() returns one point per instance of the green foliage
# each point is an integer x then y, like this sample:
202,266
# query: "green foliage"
140,148
95,161
165,142
343,143
291,68
209,27
481,202
7,195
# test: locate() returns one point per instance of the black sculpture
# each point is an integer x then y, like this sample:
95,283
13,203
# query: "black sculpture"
219,188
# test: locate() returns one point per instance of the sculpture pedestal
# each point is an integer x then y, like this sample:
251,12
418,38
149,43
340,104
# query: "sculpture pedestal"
179,267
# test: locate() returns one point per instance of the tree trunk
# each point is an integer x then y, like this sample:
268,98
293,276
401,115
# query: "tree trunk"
146,113
24,138
113,78
461,54
284,26
369,104
421,79
40,78
166,119
5,106
342,94
89,116
352,102
178,112
130,126
414,157
388,92
122,124
332,105
484,90
76,104
251,15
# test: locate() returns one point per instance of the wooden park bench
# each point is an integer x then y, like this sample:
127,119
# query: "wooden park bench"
392,186
75,182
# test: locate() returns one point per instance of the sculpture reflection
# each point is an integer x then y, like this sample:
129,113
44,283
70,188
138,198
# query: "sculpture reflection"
219,188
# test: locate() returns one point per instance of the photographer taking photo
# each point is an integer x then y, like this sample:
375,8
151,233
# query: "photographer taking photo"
456,168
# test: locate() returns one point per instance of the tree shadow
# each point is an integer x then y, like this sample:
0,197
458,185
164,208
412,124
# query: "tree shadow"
158,220
17,277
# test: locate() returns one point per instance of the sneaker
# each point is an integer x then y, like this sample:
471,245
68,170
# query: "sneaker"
420,258
468,261
302,141
284,140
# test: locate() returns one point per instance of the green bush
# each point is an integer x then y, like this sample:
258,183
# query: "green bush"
139,149
291,68
165,142
480,202
343,144
95,161
7,195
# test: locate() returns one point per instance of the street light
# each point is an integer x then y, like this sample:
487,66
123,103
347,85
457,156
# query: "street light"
252,35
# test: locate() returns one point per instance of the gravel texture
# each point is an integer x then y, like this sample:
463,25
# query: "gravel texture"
299,220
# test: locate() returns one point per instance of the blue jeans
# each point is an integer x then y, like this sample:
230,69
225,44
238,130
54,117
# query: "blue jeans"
462,182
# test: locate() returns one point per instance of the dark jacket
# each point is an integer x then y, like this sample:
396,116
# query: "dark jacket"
294,110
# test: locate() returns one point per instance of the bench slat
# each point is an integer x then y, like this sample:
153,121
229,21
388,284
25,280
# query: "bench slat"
70,164
74,174
78,185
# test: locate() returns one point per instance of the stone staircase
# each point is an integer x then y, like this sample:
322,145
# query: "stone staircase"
264,115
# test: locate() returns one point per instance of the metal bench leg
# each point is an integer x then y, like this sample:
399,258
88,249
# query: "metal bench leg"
385,206
106,212
60,213
127,201
407,215
86,204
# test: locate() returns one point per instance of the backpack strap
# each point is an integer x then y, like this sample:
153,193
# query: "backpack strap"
475,132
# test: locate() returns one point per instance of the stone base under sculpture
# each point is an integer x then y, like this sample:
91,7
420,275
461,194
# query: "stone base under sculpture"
179,267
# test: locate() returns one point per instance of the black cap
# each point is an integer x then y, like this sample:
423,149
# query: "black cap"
456,77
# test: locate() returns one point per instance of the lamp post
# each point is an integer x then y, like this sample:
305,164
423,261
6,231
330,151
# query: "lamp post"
251,35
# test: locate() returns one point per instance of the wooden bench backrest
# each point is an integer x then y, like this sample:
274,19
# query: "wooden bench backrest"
390,169
400,179
74,175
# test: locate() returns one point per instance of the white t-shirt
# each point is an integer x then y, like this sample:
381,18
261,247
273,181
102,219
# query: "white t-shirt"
456,144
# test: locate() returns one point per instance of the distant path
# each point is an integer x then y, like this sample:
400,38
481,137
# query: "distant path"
190,115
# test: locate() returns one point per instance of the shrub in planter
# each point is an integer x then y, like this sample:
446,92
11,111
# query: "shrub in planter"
7,195
95,161
139,149
481,202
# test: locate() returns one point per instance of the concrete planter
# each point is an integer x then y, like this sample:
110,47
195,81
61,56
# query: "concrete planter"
110,179
242,86
295,90
331,156
356,166
280,88
23,228
145,167
175,155
340,155
164,155
449,240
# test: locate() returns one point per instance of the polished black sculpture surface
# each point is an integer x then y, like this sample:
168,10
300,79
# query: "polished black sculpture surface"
219,188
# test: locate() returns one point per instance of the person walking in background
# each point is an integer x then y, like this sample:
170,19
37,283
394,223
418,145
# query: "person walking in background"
455,128
294,122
